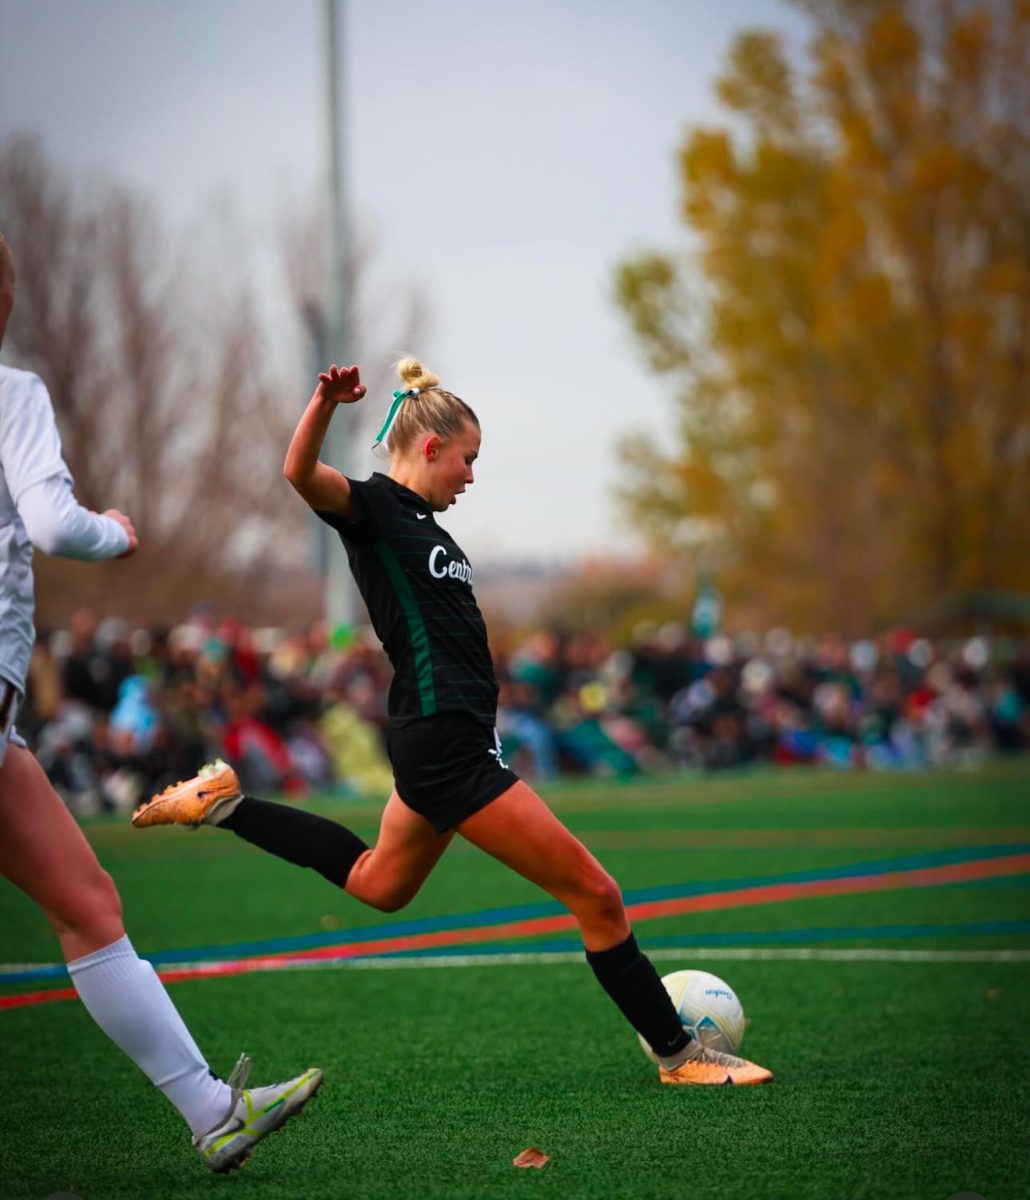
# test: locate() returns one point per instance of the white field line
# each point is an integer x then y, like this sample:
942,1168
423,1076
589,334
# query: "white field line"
788,954
517,958
773,954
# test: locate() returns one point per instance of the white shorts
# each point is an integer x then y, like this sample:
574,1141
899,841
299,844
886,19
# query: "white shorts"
10,698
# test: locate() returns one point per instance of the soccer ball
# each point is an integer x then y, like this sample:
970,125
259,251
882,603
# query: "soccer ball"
708,1008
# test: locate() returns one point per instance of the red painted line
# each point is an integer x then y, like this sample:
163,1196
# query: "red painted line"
37,997
988,868
1013,864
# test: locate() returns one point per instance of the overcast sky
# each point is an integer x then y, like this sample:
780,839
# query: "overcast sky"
505,157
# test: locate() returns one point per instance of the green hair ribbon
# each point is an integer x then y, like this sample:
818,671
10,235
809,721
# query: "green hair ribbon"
391,416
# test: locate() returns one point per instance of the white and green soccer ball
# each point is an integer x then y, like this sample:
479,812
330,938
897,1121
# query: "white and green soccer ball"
708,1008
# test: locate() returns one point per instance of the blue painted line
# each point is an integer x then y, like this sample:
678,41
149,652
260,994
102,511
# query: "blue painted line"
883,866
35,974
525,912
828,933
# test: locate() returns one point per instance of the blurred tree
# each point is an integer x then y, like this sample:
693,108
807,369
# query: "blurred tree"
169,403
388,318
853,399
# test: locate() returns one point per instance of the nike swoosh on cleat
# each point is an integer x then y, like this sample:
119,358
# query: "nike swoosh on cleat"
226,1137
421,516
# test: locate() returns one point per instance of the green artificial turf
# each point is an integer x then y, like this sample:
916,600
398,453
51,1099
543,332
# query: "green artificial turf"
893,1079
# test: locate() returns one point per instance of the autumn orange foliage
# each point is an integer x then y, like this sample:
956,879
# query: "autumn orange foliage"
849,344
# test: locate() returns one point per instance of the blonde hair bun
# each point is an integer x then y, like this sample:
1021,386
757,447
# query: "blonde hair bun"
413,374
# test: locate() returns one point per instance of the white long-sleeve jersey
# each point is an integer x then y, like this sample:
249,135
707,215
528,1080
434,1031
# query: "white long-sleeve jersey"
37,507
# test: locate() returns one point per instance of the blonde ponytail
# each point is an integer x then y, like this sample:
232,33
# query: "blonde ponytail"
422,407
413,374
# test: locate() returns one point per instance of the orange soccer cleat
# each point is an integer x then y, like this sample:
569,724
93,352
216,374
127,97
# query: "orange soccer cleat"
205,799
707,1067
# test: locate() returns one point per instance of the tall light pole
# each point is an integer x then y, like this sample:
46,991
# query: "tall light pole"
340,593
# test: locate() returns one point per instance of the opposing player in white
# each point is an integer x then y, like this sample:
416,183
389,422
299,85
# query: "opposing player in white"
42,849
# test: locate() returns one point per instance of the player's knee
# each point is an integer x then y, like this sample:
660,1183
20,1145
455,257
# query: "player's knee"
600,895
101,905
392,897
108,901
91,908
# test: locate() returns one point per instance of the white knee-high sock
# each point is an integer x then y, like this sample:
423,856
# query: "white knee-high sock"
123,994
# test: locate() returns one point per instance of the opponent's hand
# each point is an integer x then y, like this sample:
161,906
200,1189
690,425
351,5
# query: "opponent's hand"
341,385
126,524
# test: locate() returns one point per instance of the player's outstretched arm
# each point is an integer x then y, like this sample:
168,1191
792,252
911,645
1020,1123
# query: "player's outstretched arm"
40,484
323,487
57,524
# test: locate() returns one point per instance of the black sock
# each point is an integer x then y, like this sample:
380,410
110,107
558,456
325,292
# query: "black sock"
298,836
629,977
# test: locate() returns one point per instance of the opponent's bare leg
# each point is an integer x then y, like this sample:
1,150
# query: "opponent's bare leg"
45,853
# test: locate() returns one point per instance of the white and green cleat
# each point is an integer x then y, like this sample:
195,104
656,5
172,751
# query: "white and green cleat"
253,1115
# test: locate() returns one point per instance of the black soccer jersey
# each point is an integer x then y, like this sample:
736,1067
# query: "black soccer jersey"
417,586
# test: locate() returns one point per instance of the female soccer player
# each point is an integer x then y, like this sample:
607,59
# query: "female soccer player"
42,850
448,771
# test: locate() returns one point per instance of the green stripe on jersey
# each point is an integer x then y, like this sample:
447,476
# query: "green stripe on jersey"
416,628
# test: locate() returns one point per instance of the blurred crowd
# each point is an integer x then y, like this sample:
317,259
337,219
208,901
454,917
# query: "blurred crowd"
116,713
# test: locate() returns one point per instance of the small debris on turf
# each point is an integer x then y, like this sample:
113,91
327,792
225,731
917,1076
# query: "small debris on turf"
531,1158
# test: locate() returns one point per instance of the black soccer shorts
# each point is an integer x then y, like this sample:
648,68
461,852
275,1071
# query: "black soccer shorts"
447,767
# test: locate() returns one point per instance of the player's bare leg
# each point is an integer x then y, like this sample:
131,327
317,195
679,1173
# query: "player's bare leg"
45,853
389,875
521,831
385,876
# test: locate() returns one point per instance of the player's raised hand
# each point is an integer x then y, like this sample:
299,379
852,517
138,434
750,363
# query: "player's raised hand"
341,385
126,524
